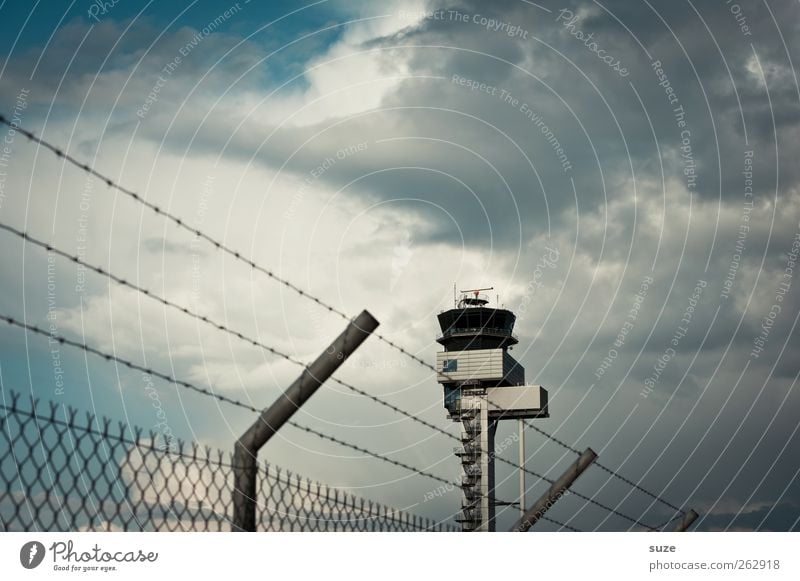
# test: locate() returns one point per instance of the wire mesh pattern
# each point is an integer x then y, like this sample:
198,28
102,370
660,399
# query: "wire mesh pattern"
311,506
61,470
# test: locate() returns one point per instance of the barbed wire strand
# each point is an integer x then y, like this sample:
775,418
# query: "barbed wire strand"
170,379
168,215
238,256
362,450
639,488
612,511
123,282
592,500
219,326
550,437
308,429
222,398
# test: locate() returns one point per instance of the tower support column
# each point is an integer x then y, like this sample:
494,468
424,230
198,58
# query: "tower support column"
487,468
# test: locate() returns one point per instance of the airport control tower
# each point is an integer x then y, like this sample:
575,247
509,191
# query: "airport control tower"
483,384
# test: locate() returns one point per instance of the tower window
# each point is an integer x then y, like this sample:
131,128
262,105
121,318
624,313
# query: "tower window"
449,365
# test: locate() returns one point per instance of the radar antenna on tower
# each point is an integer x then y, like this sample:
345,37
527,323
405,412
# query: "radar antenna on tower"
476,299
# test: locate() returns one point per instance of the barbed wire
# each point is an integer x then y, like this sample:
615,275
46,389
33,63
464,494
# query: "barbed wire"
50,248
268,272
374,454
168,215
578,494
549,437
219,326
553,438
563,445
199,233
123,282
170,379
129,364
613,511
639,488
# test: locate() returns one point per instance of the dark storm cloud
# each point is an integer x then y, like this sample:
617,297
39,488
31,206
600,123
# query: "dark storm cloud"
504,152
708,81
560,97
780,517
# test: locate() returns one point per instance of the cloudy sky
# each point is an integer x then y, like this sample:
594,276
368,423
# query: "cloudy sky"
624,174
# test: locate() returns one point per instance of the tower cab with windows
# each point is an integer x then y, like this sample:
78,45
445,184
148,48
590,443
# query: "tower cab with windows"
477,339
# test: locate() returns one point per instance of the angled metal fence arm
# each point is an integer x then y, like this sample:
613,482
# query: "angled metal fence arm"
555,491
272,418
686,521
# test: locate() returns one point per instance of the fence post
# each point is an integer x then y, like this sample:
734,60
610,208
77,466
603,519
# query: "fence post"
555,491
246,450
686,521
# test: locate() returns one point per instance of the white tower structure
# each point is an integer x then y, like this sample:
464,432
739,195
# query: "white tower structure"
483,384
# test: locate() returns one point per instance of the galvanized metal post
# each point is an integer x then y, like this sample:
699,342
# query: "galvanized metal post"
555,491
686,521
247,447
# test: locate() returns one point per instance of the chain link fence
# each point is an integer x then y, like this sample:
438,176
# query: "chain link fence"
65,471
